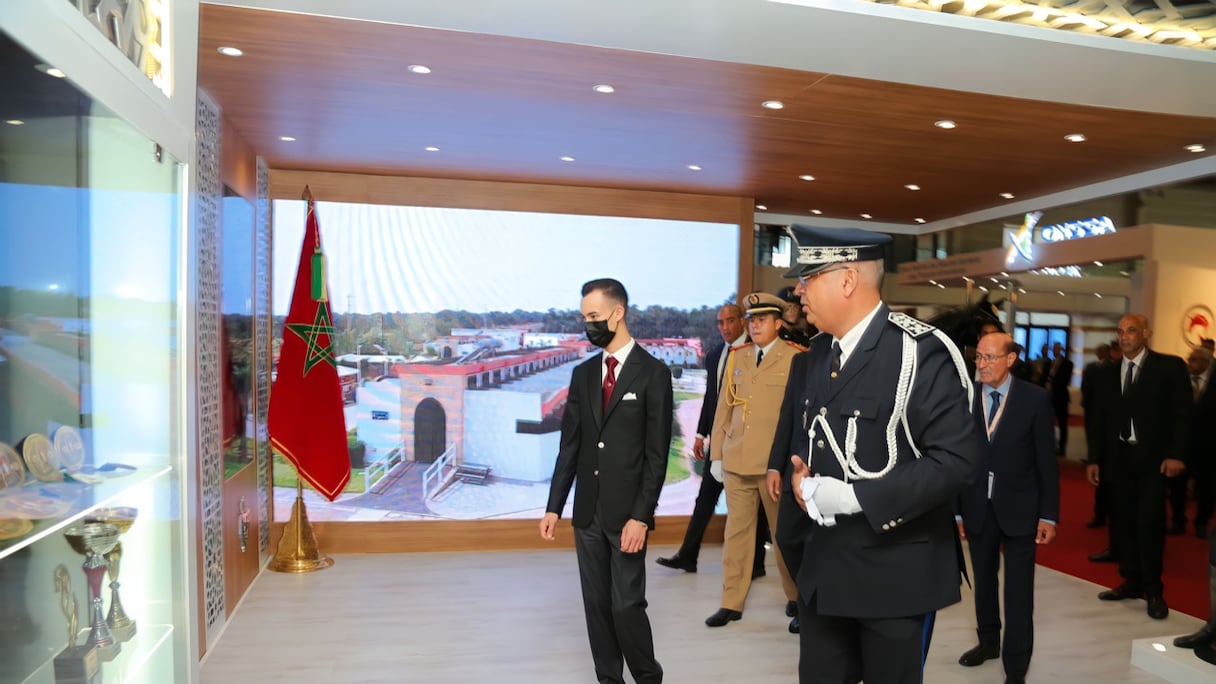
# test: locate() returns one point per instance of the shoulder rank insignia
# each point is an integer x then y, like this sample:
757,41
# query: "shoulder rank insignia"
745,345
912,326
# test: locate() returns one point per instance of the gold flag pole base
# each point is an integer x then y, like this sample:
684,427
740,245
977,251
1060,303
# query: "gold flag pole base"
297,550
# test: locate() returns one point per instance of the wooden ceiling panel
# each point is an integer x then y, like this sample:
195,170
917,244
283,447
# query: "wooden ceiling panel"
506,109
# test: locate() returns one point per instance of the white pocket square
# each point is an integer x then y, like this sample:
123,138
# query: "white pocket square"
629,396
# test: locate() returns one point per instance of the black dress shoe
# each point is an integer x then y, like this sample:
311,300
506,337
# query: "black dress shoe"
795,626
1120,593
979,654
1203,636
791,609
1157,609
675,562
1096,522
758,572
723,616
1015,679
1105,556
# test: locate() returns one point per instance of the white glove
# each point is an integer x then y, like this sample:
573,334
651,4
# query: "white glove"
715,469
809,486
834,497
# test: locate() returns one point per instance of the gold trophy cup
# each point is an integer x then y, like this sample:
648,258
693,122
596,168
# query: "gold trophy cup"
120,624
75,663
94,540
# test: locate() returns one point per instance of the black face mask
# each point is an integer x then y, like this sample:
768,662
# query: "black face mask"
598,333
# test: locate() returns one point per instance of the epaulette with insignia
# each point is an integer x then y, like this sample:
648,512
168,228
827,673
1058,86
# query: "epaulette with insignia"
745,345
795,345
914,327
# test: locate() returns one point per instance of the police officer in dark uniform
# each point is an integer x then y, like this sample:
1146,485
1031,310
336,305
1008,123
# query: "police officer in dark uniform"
880,410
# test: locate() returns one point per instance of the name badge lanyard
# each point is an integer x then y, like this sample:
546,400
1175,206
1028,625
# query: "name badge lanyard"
991,426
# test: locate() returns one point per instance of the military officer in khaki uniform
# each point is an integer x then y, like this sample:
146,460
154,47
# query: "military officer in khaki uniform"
753,387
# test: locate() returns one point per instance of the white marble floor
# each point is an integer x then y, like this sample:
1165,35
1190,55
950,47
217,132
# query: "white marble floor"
517,617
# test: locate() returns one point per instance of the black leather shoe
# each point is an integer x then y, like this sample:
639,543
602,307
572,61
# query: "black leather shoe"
677,563
723,616
979,654
795,626
758,572
1157,609
1120,593
791,609
1015,679
1096,522
1203,636
1104,556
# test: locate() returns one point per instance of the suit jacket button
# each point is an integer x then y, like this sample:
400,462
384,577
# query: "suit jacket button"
893,523
886,526
596,473
601,445
823,410
819,444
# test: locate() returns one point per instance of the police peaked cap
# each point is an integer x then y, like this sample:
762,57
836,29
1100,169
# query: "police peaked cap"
818,248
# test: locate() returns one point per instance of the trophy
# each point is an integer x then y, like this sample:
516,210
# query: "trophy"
120,624
74,664
94,540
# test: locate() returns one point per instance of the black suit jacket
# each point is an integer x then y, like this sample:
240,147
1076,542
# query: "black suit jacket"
705,423
1060,381
1159,402
1021,458
1202,455
620,455
899,556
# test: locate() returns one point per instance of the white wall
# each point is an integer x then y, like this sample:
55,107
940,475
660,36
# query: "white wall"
491,439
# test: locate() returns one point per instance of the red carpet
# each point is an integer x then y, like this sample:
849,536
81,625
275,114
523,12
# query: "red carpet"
1186,558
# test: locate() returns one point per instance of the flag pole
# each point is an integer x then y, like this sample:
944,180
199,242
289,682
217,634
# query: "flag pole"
298,550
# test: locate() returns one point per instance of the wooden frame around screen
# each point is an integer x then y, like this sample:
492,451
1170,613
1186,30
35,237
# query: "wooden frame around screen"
459,535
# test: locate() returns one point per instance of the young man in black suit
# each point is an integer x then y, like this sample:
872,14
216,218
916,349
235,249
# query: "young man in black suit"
1010,509
616,432
1143,413
1199,465
881,411
1059,379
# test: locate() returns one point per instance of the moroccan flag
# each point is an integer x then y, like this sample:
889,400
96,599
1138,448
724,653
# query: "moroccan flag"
306,421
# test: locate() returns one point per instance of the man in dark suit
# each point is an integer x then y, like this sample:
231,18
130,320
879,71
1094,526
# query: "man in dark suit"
1088,379
1013,508
1058,380
884,402
1199,462
730,327
616,432
1143,410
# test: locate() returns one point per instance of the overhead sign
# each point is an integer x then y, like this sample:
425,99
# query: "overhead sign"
1073,230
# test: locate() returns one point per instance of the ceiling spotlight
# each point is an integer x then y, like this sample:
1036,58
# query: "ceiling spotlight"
431,148
993,279
604,88
1098,263
816,212
866,216
773,104
287,138
945,123
932,282
806,177
1196,148
1098,295
1022,290
762,207
941,286
567,158
967,280
912,186
919,220
1075,137
419,69
983,289
1060,292
15,122
1005,273
1123,273
229,51
1007,195
694,167
49,70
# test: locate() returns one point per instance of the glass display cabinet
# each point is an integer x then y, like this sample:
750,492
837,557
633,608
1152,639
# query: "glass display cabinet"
93,534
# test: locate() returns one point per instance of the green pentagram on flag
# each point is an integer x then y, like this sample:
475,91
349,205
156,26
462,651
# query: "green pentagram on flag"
311,334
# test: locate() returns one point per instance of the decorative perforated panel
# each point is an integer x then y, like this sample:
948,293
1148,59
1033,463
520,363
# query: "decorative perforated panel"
208,194
262,351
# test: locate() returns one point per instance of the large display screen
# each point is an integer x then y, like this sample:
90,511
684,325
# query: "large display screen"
456,334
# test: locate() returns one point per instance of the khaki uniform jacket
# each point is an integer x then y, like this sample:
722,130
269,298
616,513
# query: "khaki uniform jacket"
749,406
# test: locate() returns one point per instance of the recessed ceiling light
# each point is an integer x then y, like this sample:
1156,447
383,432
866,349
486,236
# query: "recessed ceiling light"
1098,263
932,282
431,148
806,177
567,158
993,279
941,286
694,167
15,122
773,104
866,216
919,220
982,288
1060,292
229,51
1098,295
945,123
419,69
1022,290
1075,137
1123,273
604,88
1007,195
762,207
1196,148
287,138
967,280
912,186
49,70
816,212
1005,273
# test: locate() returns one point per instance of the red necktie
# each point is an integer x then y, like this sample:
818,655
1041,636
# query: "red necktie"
609,379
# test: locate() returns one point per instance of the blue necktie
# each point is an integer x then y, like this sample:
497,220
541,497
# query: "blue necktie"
996,404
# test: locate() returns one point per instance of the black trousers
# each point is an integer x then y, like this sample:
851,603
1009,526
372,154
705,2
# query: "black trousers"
1176,488
986,550
1061,410
1137,514
793,524
614,601
842,650
703,512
